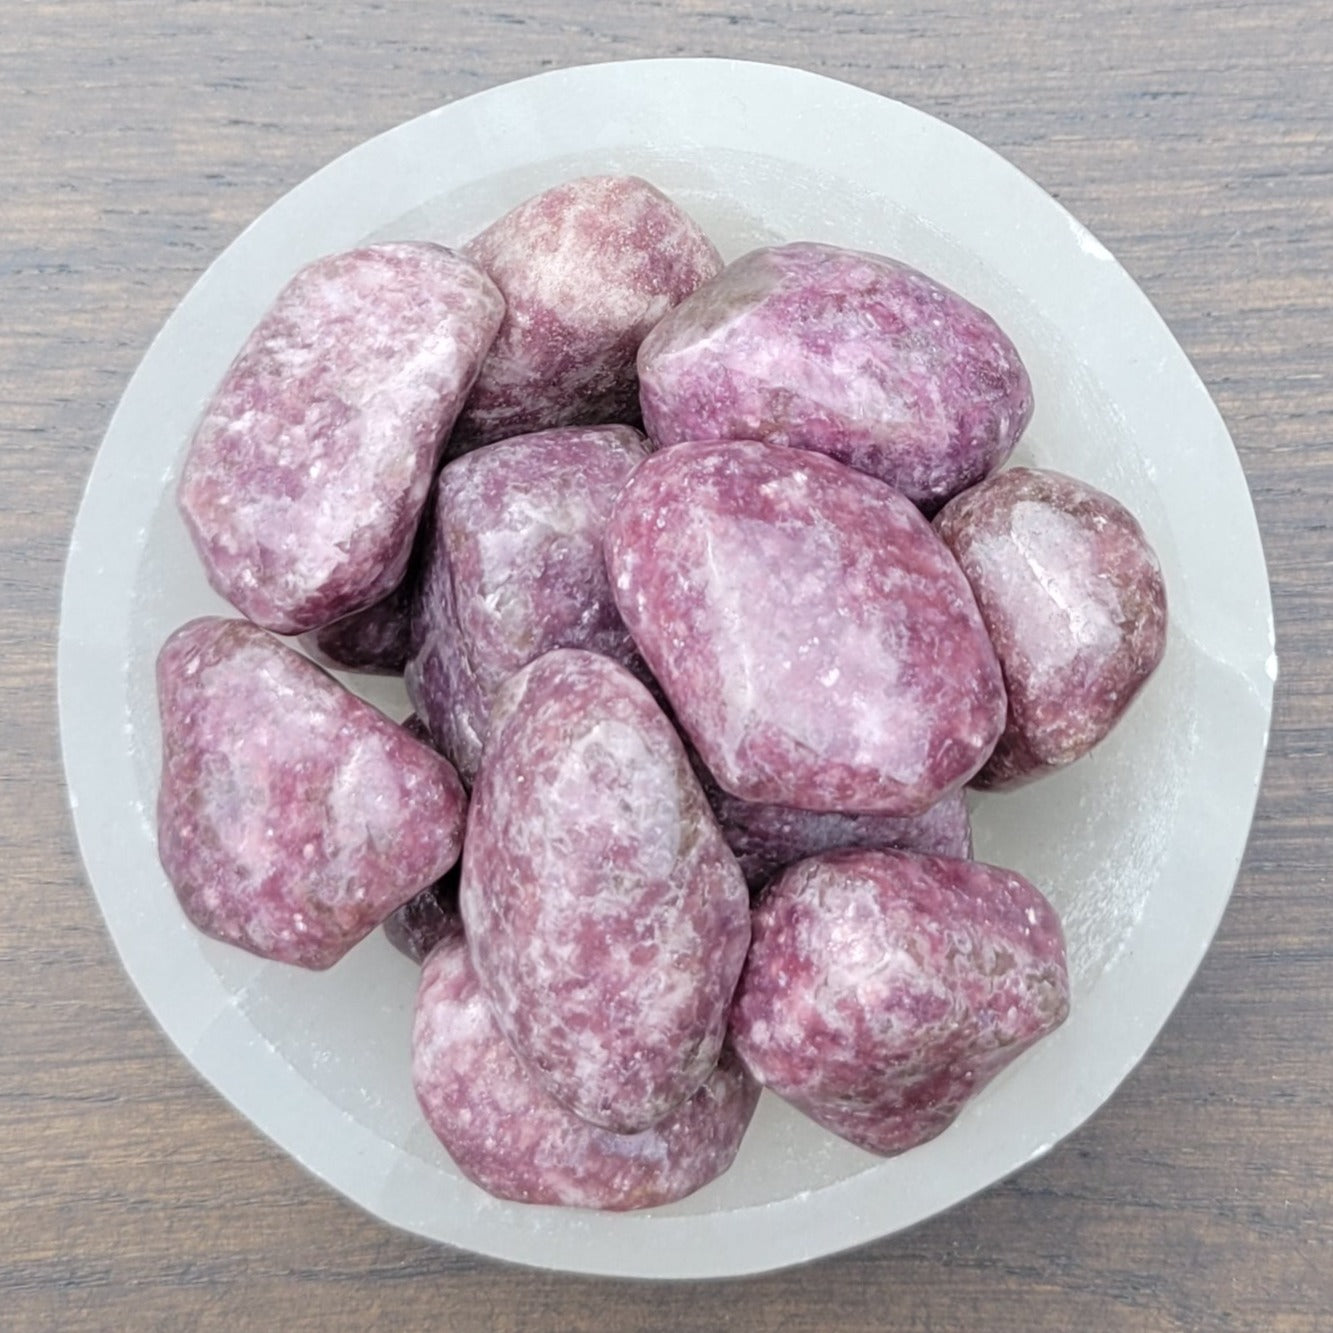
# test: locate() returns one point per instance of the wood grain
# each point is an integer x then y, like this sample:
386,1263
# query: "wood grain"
1195,139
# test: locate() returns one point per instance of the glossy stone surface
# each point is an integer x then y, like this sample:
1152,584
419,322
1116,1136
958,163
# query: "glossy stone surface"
292,816
817,641
853,355
514,569
1074,600
510,1137
607,919
306,477
587,268
883,989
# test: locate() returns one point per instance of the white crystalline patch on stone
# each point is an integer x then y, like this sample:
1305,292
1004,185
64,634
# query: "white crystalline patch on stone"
824,646
362,799
509,576
1061,606
632,806
848,380
560,281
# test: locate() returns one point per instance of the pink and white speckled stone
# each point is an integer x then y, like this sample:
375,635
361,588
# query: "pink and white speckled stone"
1075,603
292,817
767,839
586,268
884,989
515,569
854,355
817,641
607,919
515,1141
306,477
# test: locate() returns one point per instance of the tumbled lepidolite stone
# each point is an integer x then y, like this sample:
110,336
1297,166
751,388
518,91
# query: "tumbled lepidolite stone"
514,569
1074,600
586,268
606,917
815,638
514,1140
884,989
306,477
850,354
292,817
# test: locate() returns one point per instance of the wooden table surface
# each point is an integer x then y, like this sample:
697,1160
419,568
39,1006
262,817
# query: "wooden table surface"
1194,138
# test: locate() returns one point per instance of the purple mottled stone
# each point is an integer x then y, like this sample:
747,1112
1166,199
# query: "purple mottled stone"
513,570
586,268
1073,597
606,917
884,989
849,354
817,641
293,817
514,1140
306,477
